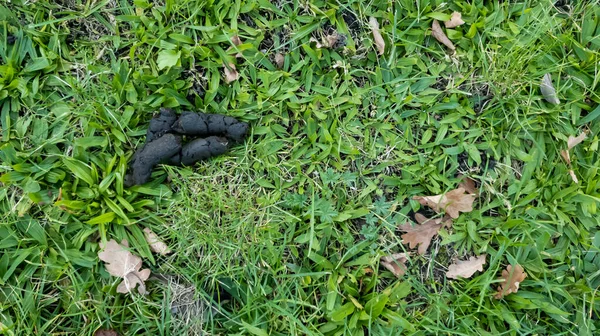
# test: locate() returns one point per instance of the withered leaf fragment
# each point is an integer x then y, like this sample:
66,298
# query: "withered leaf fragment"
511,279
455,20
395,263
466,268
120,262
379,41
452,202
438,33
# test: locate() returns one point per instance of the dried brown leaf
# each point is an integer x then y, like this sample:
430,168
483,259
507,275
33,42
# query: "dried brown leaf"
567,157
379,41
452,202
548,91
420,234
279,60
574,141
105,332
455,20
236,42
511,279
573,176
438,33
327,41
156,245
395,263
120,262
330,40
466,268
468,184
231,73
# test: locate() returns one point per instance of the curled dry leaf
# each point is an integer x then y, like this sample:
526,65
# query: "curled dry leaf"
452,202
105,332
466,268
236,42
567,157
574,141
548,91
438,33
455,20
120,262
395,263
379,42
468,184
327,41
156,245
279,60
231,73
511,279
420,234
331,40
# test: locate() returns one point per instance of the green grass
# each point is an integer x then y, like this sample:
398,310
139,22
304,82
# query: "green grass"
283,235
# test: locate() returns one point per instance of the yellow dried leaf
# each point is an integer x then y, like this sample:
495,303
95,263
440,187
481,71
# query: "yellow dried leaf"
120,262
466,268
438,33
452,202
379,41
156,245
395,263
455,20
511,279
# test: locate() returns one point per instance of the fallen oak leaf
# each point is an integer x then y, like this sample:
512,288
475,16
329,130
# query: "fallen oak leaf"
466,268
120,262
420,234
548,91
156,245
452,202
438,33
455,20
379,41
231,73
395,263
511,279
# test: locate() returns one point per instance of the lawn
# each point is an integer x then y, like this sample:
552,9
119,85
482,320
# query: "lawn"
305,228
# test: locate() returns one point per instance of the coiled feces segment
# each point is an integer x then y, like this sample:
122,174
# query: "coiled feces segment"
208,135
151,154
160,124
202,124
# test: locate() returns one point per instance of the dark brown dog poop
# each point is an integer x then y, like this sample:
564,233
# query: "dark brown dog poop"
208,135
